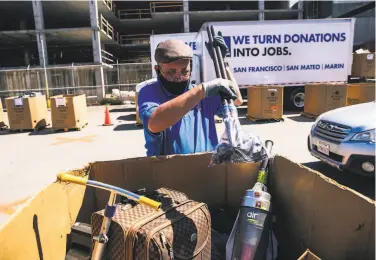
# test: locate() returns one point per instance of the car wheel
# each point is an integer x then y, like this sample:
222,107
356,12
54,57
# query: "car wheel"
296,99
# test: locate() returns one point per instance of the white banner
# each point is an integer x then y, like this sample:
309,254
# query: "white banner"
284,52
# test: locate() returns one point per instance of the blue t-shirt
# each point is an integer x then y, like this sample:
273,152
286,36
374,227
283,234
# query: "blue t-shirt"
194,133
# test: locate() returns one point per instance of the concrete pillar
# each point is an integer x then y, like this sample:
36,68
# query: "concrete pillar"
261,7
97,48
39,27
186,15
300,9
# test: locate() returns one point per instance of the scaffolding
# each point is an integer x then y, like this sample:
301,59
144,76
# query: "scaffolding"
147,13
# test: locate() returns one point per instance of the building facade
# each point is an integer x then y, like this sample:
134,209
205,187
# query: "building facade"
82,42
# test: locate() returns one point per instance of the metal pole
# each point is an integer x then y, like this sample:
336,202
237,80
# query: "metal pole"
118,72
45,76
102,239
73,82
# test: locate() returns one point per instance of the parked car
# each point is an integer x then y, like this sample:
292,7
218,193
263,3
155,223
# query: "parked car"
345,138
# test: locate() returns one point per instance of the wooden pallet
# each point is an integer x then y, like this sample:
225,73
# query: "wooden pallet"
308,115
265,119
28,130
68,129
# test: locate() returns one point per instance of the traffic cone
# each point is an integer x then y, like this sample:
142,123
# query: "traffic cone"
107,118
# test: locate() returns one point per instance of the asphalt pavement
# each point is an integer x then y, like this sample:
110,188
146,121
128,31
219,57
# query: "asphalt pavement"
31,160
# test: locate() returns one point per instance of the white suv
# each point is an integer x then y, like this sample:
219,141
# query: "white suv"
345,138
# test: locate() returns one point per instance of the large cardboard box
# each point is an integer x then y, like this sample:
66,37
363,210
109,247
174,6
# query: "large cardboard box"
360,93
323,97
312,211
363,65
27,113
265,102
69,111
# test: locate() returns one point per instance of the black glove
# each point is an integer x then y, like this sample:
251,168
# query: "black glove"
217,41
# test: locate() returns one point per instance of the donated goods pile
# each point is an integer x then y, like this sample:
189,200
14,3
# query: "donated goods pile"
124,95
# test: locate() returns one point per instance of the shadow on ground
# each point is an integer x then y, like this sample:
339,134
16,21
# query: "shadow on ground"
127,127
300,118
120,110
49,131
45,131
130,117
246,121
363,185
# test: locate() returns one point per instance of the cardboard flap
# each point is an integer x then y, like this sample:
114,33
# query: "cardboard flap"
187,173
313,211
40,230
190,174
240,177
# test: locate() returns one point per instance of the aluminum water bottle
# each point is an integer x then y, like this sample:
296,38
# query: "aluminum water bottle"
253,227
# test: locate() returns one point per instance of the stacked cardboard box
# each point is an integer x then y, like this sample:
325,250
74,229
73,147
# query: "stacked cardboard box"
265,102
69,111
323,97
360,93
363,65
27,112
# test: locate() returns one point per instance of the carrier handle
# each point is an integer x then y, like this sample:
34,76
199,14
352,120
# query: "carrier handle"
64,177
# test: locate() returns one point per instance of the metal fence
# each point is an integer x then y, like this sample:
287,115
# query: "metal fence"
74,79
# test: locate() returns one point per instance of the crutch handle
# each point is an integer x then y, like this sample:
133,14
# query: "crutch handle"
149,202
70,178
82,181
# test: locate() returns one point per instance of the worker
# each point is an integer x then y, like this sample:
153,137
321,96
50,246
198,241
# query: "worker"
177,116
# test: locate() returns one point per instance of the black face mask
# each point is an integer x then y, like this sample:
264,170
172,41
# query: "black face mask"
175,88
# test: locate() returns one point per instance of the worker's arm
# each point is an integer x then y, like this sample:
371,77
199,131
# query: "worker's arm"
169,113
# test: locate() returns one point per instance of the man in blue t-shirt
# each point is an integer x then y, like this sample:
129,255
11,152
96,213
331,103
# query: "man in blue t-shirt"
178,117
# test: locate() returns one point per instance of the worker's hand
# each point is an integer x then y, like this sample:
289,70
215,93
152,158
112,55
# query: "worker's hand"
217,41
219,87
